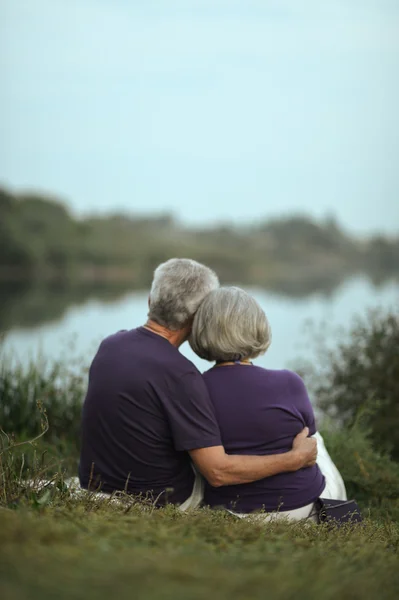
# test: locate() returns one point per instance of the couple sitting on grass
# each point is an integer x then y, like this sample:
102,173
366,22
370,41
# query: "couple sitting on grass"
239,436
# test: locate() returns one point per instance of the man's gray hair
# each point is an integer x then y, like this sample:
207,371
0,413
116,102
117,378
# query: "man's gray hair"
178,288
230,325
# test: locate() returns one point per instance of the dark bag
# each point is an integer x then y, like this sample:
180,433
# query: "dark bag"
337,512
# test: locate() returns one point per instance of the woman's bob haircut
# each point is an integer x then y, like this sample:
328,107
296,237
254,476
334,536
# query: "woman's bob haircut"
230,325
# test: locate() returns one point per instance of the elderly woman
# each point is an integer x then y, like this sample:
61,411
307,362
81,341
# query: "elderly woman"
259,411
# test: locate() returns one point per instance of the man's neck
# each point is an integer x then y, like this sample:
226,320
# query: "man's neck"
176,338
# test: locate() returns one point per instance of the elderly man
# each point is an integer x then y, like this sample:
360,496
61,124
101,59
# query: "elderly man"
147,415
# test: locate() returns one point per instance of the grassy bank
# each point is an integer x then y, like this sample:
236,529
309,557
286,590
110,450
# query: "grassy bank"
84,550
55,545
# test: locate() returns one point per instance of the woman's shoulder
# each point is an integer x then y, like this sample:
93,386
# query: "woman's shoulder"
281,375
292,376
293,379
286,374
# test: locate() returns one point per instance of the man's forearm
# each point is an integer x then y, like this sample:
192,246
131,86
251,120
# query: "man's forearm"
245,469
220,468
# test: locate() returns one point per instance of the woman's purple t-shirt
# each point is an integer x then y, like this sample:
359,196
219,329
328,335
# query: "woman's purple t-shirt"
260,411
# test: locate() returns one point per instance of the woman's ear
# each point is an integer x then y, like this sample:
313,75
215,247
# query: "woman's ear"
149,301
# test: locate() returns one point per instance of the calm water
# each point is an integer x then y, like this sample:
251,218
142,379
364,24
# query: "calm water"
85,325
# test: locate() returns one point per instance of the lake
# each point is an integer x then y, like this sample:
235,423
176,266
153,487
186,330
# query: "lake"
77,329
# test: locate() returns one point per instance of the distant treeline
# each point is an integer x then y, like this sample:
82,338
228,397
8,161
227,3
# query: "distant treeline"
41,241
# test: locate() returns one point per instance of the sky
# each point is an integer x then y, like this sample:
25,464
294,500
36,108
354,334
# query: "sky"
214,110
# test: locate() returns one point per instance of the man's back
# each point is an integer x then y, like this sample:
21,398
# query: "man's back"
146,405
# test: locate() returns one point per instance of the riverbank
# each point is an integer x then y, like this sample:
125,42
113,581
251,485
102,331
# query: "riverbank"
85,550
55,545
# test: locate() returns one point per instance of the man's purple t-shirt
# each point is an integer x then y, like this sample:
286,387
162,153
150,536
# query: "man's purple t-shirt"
260,411
146,406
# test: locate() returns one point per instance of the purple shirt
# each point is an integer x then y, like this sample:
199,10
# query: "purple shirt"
146,405
260,412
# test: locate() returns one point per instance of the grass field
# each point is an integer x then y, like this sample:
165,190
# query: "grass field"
89,549
56,545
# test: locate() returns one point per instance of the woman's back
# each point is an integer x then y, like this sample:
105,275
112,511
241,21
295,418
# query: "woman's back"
260,411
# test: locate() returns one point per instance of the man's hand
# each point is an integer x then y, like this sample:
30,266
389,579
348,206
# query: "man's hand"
304,449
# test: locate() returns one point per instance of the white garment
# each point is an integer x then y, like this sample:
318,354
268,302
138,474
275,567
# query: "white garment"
335,487
334,490
192,502
197,494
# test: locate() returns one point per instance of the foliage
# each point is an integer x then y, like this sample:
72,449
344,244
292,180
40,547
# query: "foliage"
360,378
58,387
41,241
370,475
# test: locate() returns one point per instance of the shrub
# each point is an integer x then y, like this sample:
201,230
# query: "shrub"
59,387
371,476
361,377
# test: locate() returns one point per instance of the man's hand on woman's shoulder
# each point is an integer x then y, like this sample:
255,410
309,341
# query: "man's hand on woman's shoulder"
304,451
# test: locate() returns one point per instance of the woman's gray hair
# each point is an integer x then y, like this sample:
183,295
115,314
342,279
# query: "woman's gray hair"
178,288
230,325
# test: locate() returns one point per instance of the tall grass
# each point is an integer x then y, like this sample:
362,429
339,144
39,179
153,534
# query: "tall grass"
59,387
40,410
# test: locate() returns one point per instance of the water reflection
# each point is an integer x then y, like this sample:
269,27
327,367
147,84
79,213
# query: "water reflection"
47,319
26,306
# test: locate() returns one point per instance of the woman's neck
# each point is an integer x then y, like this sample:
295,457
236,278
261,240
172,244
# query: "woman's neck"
226,363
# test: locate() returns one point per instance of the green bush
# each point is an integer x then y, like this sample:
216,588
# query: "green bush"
371,476
360,377
58,387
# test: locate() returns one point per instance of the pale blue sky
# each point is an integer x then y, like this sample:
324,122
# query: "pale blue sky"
217,110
